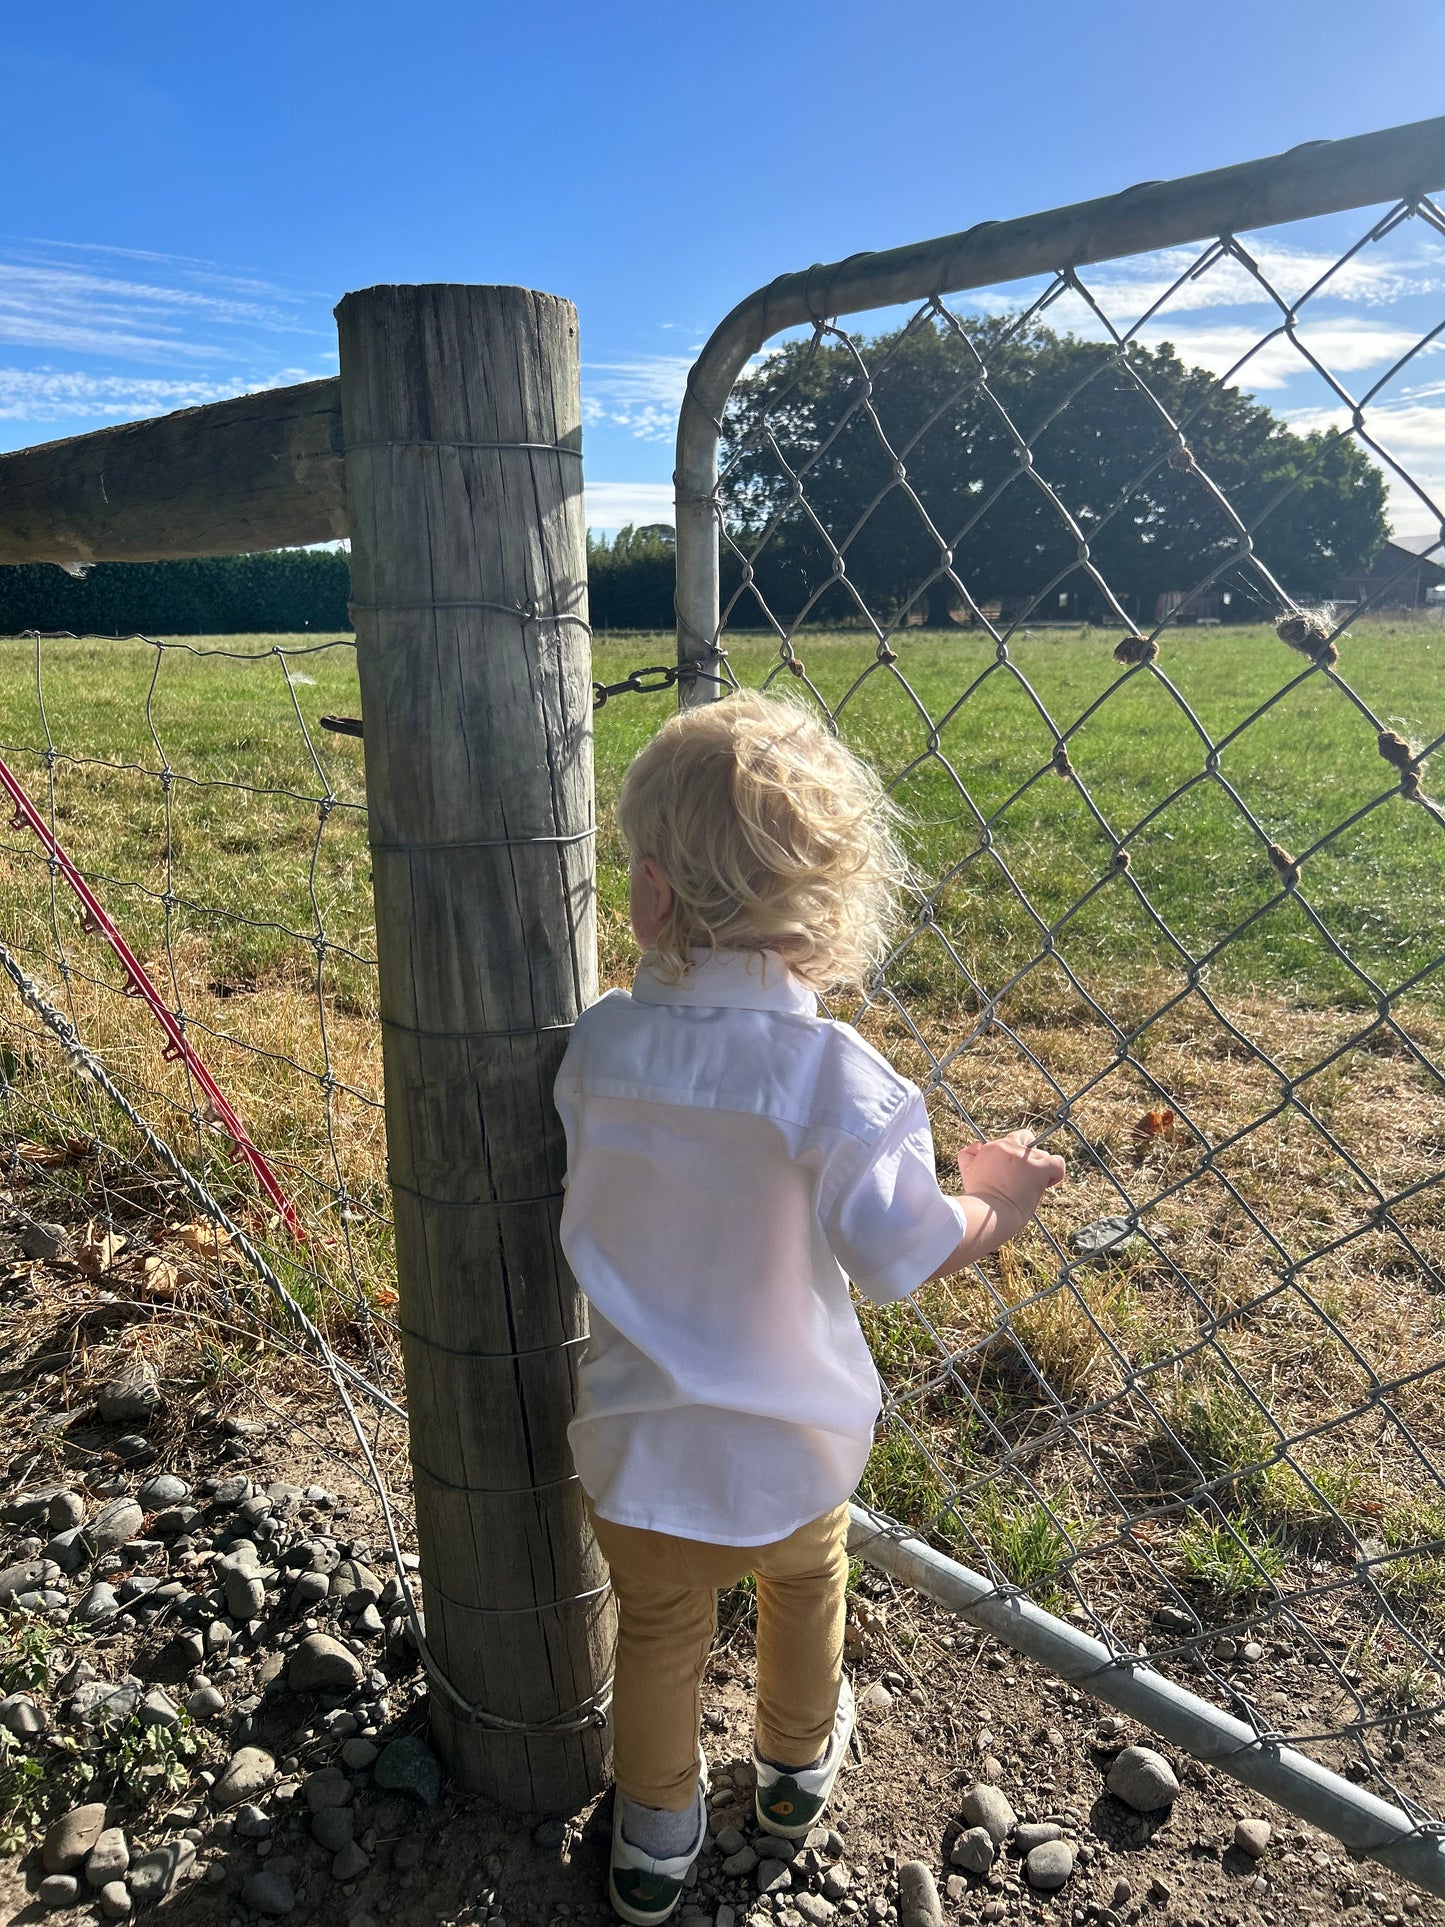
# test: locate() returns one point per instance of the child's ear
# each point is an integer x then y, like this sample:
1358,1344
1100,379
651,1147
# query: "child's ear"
662,889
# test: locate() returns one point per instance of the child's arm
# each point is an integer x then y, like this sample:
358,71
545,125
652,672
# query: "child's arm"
1002,1184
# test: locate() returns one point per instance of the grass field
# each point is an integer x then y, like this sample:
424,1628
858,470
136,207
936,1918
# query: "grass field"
1268,1320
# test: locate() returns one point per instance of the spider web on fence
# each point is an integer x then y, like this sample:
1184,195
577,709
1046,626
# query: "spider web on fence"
1201,1407
224,836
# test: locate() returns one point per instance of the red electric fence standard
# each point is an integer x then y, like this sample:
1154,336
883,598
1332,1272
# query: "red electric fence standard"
138,984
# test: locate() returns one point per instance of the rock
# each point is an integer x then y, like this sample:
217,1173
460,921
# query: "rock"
1105,1237
329,1787
174,1520
769,1846
359,1753
245,1595
59,1890
205,1703
248,1772
70,1838
97,1602
368,1622
231,1491
66,1509
355,1585
918,1901
163,1489
122,1519
269,1892
740,1863
835,1883
158,1709
29,1508
114,1899
310,1589
154,1874
408,1852
70,1549
333,1828
98,1700
817,1912
108,1858
37,1239
1253,1837
985,1806
774,1877
877,1699
730,1840
1034,1833
131,1399
252,1822
21,1716
409,1766
1049,1865
350,1863
321,1664
134,1449
973,1850
270,1669
25,1577
1142,1779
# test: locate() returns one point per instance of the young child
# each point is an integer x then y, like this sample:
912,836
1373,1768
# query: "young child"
733,1160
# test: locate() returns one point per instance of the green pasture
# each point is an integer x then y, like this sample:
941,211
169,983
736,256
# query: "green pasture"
962,739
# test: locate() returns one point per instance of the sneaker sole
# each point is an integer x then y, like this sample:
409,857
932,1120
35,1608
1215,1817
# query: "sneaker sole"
634,1915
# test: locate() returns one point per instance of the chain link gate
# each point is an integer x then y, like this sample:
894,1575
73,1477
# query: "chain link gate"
1176,908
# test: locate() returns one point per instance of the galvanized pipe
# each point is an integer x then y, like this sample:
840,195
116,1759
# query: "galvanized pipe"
1365,1824
1320,177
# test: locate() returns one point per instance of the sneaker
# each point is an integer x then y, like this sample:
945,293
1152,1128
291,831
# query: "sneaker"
643,1890
791,1804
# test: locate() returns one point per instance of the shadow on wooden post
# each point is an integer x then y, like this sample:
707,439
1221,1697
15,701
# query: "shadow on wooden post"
462,418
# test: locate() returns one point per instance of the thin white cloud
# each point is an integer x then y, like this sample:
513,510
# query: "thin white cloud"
611,505
50,395
1411,430
73,298
641,396
1344,344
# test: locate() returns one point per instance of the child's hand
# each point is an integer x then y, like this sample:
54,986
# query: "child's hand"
1011,1174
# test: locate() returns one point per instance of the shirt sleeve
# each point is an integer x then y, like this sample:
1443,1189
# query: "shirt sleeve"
890,1226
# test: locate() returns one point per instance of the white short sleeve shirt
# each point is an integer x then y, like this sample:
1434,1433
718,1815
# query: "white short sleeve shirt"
733,1159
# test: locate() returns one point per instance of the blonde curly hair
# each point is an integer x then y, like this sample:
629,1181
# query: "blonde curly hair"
773,836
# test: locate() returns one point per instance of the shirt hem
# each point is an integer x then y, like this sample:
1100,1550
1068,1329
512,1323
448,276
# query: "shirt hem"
623,1516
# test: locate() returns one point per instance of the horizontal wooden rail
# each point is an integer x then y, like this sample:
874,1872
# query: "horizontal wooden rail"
262,471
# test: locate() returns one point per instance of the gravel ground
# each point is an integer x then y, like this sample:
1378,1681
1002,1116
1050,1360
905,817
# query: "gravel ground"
212,1574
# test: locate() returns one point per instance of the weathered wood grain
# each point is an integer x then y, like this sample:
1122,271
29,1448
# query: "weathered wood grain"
258,472
477,704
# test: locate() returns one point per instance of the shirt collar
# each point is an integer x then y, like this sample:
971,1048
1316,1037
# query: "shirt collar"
730,980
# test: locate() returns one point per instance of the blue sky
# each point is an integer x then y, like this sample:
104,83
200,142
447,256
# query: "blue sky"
192,188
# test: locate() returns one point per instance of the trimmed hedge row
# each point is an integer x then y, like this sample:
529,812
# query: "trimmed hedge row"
286,592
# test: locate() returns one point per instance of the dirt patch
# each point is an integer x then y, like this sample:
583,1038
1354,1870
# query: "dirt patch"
943,1708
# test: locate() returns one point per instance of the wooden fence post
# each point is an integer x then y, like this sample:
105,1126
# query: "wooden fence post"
461,414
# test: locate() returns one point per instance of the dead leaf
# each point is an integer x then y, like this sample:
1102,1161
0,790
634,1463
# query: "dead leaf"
205,1239
71,1150
385,1297
99,1248
162,1279
1158,1126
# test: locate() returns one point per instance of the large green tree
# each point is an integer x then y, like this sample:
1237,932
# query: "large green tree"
928,419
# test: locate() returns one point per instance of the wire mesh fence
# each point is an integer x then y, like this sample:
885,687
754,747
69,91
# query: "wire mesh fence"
1158,698
184,883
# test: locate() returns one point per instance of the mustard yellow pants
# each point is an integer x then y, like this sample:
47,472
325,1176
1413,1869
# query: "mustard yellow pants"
666,1591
